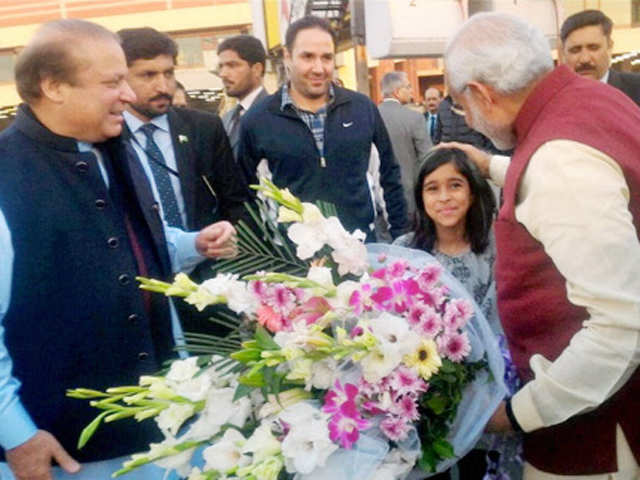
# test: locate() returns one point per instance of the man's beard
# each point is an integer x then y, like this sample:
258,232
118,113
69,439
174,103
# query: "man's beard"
148,111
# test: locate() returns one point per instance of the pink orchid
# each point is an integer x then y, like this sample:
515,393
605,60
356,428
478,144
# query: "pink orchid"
338,396
360,300
345,425
382,299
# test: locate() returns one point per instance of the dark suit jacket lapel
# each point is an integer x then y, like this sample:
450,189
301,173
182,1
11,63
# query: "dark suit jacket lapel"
182,139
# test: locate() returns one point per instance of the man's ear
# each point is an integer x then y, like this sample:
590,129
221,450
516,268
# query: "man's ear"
54,90
483,94
258,69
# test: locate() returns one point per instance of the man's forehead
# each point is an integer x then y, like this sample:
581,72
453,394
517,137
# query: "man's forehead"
586,34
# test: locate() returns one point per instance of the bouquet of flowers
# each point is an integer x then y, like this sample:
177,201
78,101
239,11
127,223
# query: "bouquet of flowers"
371,363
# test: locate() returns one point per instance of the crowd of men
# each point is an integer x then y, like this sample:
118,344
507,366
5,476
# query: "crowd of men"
103,179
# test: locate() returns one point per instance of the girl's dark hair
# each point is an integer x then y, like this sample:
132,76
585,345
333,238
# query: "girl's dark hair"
480,214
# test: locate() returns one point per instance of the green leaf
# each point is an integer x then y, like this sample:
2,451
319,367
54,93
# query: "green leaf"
428,460
90,429
265,342
242,391
443,448
438,404
247,355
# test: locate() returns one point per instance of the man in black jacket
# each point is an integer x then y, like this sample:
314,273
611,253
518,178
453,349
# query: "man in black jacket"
315,137
185,153
587,46
82,225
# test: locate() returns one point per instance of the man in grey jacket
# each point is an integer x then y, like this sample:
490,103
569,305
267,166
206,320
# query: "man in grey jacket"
407,130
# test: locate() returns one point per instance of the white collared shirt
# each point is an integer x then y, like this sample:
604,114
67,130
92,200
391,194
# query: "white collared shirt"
247,101
574,200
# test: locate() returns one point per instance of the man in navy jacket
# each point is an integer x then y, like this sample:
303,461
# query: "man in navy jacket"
315,137
81,224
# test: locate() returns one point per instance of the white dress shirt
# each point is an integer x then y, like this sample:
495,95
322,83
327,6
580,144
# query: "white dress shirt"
574,200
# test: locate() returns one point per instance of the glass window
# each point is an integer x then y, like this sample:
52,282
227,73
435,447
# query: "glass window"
7,60
190,52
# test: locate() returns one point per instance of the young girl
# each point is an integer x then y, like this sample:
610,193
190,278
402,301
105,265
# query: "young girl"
455,208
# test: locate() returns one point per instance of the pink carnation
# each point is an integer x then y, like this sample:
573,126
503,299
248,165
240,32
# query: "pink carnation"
454,346
395,428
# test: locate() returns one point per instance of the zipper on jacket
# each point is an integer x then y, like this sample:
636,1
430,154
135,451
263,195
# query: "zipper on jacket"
323,162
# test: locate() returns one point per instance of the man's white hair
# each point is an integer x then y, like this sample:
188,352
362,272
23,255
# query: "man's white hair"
499,50
392,81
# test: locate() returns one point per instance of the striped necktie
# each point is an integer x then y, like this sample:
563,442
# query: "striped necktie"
161,176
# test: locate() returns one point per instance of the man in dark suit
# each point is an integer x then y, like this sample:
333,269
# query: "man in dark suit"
204,182
432,99
80,226
241,64
185,153
586,49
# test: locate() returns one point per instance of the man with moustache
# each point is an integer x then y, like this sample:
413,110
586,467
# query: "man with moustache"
586,49
568,239
315,138
204,181
241,67
432,99
185,153
77,225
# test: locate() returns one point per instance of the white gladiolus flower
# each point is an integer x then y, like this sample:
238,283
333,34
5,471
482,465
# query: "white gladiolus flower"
236,292
226,453
307,446
219,410
308,237
323,373
286,215
311,213
195,389
262,444
321,275
171,419
395,340
182,370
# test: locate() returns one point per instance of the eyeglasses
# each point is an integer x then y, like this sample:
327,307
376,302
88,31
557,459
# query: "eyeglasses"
458,109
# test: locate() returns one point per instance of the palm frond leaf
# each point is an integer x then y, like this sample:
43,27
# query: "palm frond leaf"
264,249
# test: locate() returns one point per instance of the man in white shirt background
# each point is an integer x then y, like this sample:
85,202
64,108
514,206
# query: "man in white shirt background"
241,67
568,247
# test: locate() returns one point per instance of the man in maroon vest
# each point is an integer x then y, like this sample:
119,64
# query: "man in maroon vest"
568,267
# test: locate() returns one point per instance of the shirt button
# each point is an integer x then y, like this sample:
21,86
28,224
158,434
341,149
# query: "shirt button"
123,279
156,207
143,356
113,242
100,203
82,167
133,318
